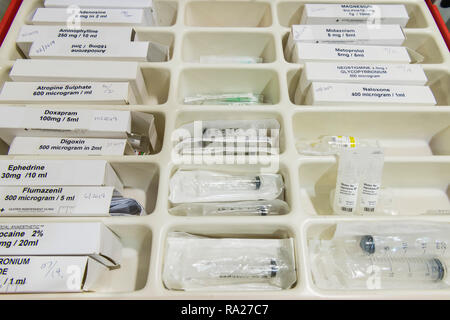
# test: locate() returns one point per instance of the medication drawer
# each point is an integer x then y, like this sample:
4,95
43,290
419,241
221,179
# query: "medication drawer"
240,149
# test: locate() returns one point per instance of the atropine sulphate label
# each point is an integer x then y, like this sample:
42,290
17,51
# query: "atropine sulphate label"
67,92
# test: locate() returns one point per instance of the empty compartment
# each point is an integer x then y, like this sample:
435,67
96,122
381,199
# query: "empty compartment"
438,81
228,14
166,12
192,116
398,133
229,80
198,44
425,45
407,188
133,272
239,231
290,13
162,38
244,169
140,180
157,81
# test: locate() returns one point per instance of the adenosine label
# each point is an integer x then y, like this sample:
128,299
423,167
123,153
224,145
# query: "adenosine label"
90,16
55,201
85,146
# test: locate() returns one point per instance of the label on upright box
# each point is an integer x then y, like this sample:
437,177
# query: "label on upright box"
81,70
362,34
30,33
55,201
44,274
114,123
67,146
133,4
86,49
73,238
94,16
405,74
341,52
325,93
58,172
354,13
67,92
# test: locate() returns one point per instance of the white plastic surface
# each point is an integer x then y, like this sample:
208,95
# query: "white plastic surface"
416,140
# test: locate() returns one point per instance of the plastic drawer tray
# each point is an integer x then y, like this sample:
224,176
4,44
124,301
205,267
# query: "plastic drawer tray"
417,160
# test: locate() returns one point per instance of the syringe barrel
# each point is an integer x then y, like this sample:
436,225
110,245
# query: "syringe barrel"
403,246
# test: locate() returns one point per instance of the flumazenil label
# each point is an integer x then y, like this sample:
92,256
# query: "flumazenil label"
55,201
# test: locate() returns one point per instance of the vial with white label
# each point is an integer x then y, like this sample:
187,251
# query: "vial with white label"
372,162
347,182
404,246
